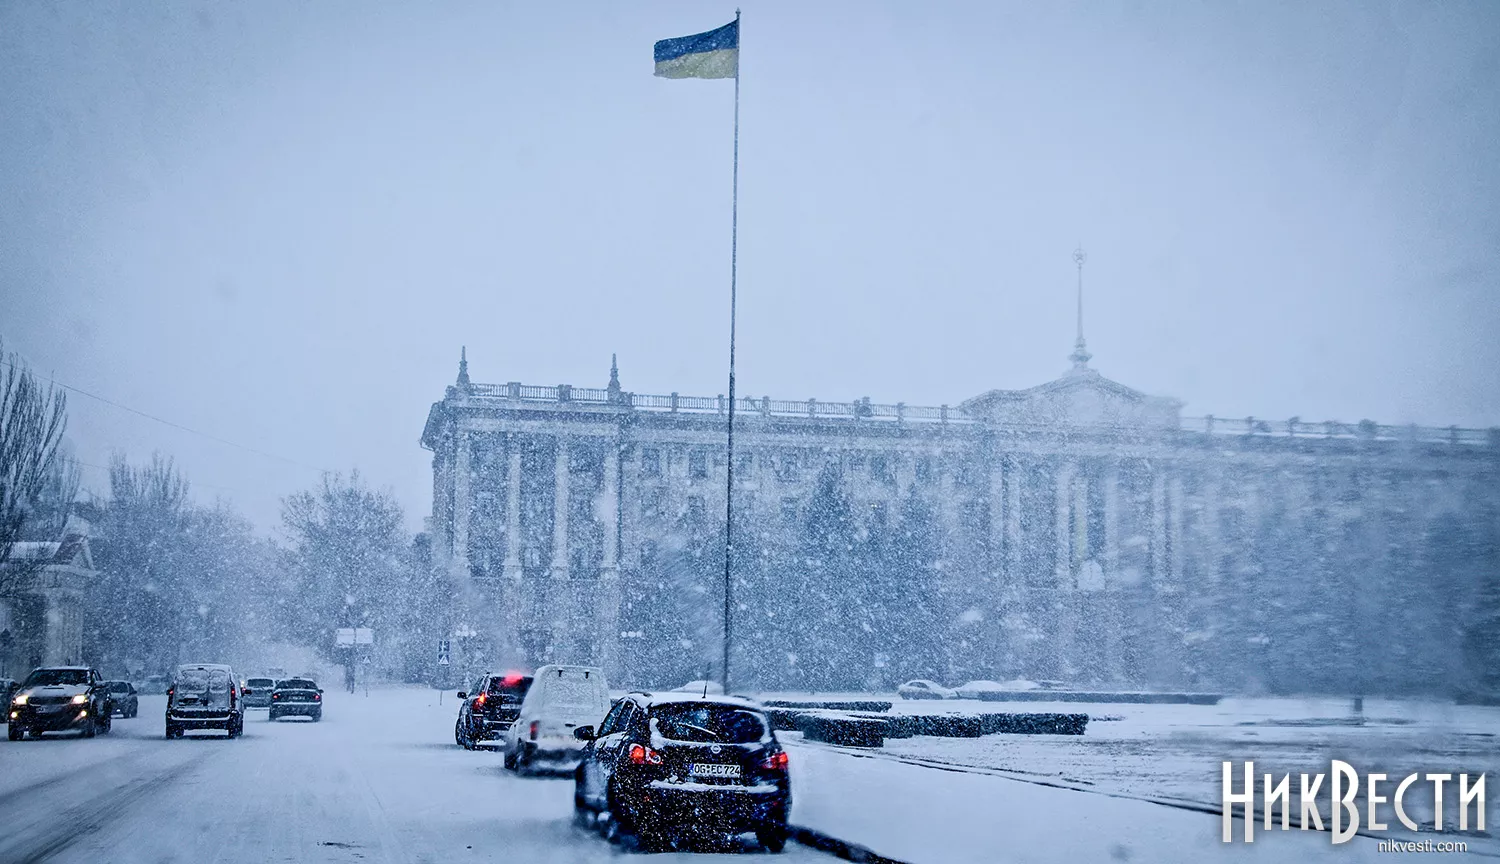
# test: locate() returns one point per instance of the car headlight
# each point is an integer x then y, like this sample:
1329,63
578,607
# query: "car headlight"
80,698
22,699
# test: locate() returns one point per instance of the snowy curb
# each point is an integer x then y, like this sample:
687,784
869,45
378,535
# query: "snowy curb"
816,839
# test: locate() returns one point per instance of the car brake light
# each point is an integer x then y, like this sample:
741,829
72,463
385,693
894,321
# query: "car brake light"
534,725
640,755
776,762
317,697
511,679
275,695
483,697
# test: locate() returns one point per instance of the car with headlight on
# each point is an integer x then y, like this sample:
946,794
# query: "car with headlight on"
560,699
60,699
205,696
664,767
297,697
123,698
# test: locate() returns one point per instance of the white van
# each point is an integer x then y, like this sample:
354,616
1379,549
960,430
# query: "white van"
561,699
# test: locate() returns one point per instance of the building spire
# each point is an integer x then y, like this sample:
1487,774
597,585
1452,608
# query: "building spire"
463,366
1080,355
614,379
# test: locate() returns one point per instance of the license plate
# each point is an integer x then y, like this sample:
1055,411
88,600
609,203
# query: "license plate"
702,769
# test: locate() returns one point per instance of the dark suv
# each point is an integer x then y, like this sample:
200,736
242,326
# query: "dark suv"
664,766
488,708
60,699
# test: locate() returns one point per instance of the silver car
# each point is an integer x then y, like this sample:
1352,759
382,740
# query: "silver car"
205,696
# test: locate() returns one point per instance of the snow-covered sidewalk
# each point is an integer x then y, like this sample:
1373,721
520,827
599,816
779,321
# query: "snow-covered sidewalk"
927,815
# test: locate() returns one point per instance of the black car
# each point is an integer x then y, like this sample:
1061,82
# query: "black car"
667,766
488,708
297,697
60,699
123,698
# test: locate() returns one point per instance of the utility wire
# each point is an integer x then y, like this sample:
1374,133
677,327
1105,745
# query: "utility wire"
224,441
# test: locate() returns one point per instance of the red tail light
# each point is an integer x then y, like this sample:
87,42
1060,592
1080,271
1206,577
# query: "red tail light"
640,755
534,725
483,698
776,762
317,697
169,692
275,695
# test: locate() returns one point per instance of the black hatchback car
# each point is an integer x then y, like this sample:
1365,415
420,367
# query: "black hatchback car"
125,701
488,708
668,766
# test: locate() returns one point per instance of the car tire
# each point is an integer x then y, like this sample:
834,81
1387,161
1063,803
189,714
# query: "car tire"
583,817
173,731
90,728
273,717
459,738
15,732
772,838
511,762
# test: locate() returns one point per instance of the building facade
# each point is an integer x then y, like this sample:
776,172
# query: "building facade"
1078,530
41,606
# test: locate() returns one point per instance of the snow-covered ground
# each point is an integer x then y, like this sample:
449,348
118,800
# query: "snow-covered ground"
381,780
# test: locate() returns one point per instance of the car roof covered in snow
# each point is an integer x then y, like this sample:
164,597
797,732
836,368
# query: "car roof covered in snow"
69,668
186,666
652,700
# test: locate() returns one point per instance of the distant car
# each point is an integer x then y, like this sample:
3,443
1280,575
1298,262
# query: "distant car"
258,692
205,696
155,685
123,699
924,689
60,699
560,699
664,766
488,708
297,697
7,689
973,689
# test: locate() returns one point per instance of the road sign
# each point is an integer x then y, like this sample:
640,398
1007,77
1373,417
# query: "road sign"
443,652
344,636
364,636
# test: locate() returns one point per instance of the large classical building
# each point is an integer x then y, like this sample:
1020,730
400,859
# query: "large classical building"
1079,530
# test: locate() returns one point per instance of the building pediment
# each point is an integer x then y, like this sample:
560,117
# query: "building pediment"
1082,398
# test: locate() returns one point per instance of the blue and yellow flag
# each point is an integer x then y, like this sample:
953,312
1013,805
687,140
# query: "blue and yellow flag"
715,54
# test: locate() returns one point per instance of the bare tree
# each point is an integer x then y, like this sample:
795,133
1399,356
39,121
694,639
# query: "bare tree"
33,418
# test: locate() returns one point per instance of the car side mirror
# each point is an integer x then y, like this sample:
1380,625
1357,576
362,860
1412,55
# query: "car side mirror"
320,689
584,733
462,695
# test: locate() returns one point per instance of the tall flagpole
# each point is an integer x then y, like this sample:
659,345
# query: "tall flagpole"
734,249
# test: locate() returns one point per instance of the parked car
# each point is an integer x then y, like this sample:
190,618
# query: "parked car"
258,692
924,689
123,699
297,697
204,696
155,685
706,688
488,708
661,767
60,699
560,699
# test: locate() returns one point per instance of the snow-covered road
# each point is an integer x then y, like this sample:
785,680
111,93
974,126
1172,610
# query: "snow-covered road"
378,780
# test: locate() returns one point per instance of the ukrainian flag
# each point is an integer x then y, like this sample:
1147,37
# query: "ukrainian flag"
715,54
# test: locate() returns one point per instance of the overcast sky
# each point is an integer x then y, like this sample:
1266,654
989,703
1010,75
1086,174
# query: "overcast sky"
275,223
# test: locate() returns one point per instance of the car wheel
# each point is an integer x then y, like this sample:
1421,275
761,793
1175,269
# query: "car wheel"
317,716
772,838
15,732
510,759
90,729
173,732
583,817
273,717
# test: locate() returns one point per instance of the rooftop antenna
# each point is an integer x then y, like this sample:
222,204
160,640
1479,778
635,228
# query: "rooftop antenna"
463,366
1080,355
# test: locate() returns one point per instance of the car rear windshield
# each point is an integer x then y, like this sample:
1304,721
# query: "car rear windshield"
196,680
260,682
296,684
510,690
575,692
51,677
719,724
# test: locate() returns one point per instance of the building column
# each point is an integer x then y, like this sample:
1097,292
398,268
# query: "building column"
1118,604
1064,601
513,512
1161,568
1174,534
997,516
608,594
1013,523
1111,557
560,512
462,476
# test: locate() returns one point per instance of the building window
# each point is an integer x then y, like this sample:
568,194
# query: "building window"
880,469
744,464
650,462
697,464
789,511
878,516
695,508
924,469
786,466
651,503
